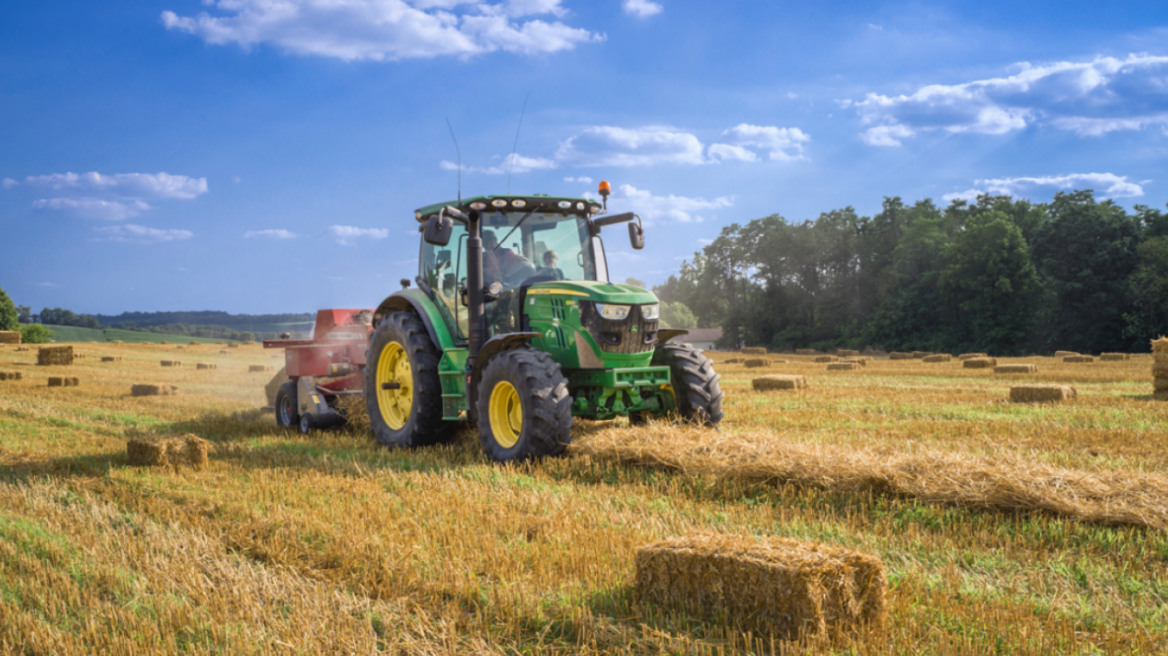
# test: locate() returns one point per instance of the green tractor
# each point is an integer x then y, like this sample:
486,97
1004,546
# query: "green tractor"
514,325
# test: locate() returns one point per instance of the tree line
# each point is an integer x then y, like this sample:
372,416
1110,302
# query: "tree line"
1000,275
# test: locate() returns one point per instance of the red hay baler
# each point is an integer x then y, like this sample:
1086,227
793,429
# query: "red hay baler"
322,369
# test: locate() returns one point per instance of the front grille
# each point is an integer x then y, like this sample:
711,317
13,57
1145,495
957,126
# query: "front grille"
619,336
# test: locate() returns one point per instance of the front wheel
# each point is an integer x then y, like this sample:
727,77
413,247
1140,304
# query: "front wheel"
524,408
695,384
287,411
403,394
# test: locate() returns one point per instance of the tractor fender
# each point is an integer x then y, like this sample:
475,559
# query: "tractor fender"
495,346
413,300
668,334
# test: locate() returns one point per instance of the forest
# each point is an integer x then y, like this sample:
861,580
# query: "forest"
1000,275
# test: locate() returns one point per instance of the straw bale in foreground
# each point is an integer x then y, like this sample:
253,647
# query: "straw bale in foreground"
970,356
842,366
168,450
11,375
939,357
63,381
827,358
10,336
806,352
1016,369
1064,354
752,350
752,363
779,382
1160,370
1160,345
847,353
51,355
153,390
1041,393
980,363
1161,385
1114,357
1078,359
769,586
895,355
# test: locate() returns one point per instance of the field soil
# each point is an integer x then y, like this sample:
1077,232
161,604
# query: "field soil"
1004,527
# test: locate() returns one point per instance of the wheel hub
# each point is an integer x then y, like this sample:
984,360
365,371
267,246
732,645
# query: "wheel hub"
506,414
395,403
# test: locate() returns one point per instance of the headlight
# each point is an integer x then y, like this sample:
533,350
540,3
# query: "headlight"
649,312
613,312
496,288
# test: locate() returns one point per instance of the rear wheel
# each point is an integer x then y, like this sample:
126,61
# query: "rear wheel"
695,384
403,394
287,411
524,408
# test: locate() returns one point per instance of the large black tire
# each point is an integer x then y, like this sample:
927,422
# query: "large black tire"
423,425
287,408
539,420
695,384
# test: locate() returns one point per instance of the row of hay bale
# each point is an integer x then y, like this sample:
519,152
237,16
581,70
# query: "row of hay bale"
171,363
1160,366
11,375
111,358
64,381
206,365
1018,393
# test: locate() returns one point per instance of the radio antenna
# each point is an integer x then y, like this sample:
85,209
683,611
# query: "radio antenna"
516,146
456,149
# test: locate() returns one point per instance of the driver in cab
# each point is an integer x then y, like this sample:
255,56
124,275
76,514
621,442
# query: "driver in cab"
503,264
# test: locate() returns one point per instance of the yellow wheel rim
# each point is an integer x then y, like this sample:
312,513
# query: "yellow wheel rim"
506,414
393,366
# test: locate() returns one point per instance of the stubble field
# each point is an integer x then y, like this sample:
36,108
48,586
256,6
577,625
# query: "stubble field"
1005,528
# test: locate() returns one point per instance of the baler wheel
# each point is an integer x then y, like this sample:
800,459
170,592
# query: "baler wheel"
695,384
524,408
402,376
287,410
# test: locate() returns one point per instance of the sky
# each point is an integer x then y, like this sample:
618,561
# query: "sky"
266,156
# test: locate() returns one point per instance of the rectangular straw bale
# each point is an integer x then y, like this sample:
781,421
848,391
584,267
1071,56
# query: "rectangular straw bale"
59,381
167,451
778,382
732,361
806,352
1114,357
1161,385
752,350
111,358
9,336
917,355
939,357
1041,393
756,362
1064,354
1016,369
970,356
171,363
153,390
827,358
847,353
842,366
1079,359
206,365
770,586
258,368
980,363
895,355
11,375
51,355
1160,370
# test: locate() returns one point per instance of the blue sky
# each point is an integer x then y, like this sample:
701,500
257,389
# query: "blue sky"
267,155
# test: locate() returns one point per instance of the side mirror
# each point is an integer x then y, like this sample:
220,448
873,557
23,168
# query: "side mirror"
438,230
637,235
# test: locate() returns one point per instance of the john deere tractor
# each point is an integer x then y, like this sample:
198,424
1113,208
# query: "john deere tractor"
514,325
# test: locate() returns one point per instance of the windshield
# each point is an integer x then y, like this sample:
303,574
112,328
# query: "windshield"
518,246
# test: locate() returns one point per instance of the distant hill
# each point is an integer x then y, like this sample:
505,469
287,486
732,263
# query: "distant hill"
257,323
76,334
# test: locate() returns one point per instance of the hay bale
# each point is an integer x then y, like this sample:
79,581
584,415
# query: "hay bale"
980,363
258,368
59,381
164,342
1160,385
752,350
171,363
895,355
917,355
843,366
153,390
192,343
206,365
55,355
1016,369
732,361
1114,357
970,356
939,357
846,353
827,358
1078,359
111,358
233,346
9,336
1064,354
778,382
1160,370
11,375
753,363
1041,393
806,352
862,360
173,451
770,586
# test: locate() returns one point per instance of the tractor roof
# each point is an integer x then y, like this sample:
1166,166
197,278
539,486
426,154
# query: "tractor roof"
538,202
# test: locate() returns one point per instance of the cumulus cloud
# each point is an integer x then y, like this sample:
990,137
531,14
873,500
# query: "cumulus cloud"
726,152
784,144
583,178
8,183
521,165
641,8
1106,185
348,235
142,235
613,146
92,208
385,30
279,233
1089,98
142,185
680,209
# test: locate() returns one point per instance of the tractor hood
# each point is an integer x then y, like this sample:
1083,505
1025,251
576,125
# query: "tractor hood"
603,292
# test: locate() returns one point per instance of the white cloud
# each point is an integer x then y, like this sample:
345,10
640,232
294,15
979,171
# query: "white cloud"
279,233
969,195
680,209
784,144
385,30
1106,185
8,183
613,146
585,179
142,235
47,284
641,8
522,165
140,185
874,26
347,234
92,208
1089,98
726,152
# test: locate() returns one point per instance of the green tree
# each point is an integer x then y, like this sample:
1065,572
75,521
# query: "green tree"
991,279
9,318
677,315
1149,287
35,333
